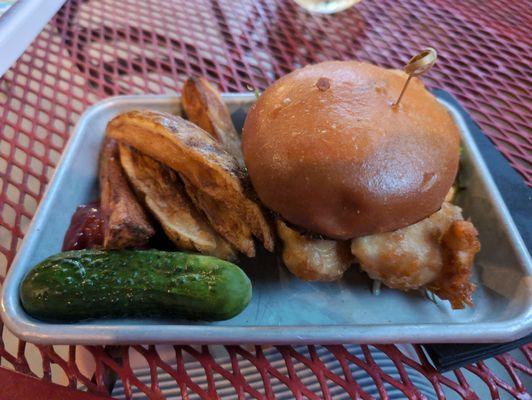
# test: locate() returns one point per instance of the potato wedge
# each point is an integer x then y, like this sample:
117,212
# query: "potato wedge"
313,259
193,153
204,106
126,224
164,195
182,146
223,219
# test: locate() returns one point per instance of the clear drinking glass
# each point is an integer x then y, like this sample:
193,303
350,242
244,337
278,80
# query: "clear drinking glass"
326,6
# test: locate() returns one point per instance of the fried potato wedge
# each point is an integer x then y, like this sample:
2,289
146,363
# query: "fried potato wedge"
260,227
126,224
223,219
313,259
164,195
197,156
204,106
182,146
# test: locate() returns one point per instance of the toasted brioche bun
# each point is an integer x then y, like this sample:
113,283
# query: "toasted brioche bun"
326,150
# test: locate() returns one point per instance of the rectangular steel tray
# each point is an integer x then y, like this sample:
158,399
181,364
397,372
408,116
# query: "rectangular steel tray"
284,309
20,24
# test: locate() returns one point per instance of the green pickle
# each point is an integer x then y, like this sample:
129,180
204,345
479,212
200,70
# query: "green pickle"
88,284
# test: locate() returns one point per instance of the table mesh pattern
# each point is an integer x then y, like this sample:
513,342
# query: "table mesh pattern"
94,49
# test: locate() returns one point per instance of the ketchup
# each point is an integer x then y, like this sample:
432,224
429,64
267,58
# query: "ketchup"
86,228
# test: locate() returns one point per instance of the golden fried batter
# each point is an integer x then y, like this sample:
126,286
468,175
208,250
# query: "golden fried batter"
425,254
313,259
460,244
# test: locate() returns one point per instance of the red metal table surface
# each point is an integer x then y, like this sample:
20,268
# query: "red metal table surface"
97,48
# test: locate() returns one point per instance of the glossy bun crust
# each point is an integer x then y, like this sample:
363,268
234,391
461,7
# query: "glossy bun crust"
326,150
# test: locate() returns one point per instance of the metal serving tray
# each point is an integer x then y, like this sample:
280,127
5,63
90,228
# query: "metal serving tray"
20,24
285,309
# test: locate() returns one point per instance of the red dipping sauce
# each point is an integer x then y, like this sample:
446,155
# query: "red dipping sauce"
86,228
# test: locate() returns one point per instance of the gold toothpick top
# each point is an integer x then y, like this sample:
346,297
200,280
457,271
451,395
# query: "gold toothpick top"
418,65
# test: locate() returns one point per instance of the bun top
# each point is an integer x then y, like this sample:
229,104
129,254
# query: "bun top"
327,151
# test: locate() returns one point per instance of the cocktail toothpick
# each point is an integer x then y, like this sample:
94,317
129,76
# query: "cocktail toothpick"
418,65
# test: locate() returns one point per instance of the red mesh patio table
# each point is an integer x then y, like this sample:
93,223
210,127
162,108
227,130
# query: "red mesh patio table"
93,49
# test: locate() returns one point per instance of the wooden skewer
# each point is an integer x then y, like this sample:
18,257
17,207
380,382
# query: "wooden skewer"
255,91
418,65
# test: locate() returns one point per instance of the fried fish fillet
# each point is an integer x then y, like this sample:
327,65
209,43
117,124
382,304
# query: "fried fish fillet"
197,156
313,259
223,219
126,224
436,253
204,106
164,195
